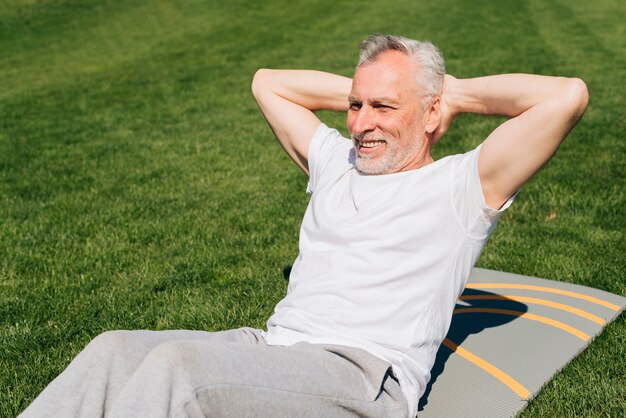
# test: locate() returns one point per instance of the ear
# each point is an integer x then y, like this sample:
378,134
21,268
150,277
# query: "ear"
433,115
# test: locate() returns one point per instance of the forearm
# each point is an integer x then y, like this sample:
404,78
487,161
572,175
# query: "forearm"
313,90
288,99
542,111
512,94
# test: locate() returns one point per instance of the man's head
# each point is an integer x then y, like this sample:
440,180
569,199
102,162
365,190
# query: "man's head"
394,103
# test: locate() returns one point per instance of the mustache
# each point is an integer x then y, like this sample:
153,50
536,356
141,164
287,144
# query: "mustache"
367,137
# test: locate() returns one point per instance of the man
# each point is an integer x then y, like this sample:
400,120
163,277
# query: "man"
386,245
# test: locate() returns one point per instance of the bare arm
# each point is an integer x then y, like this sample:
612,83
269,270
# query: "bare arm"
542,109
287,99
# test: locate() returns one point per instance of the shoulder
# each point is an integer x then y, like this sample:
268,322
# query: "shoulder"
326,139
329,153
468,197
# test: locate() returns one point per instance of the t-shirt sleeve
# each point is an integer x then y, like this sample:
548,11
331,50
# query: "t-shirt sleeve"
327,148
475,215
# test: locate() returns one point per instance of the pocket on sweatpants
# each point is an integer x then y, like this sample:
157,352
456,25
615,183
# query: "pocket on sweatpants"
390,387
373,370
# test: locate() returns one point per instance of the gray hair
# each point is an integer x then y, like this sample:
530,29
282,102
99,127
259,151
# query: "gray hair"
426,55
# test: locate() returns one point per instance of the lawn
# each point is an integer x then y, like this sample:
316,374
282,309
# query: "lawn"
141,188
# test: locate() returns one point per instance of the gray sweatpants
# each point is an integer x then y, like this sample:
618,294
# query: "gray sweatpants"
223,374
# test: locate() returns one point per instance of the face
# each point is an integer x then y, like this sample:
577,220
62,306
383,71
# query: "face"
386,118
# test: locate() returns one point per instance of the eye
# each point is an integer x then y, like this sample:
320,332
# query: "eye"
355,105
382,107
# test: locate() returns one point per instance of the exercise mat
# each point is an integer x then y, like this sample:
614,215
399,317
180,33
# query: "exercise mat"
509,335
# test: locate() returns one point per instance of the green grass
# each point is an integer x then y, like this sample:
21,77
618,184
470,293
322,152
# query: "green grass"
141,188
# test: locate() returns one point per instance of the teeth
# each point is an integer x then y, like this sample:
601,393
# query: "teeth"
370,144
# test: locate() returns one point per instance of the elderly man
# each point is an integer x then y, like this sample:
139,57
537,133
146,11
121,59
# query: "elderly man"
386,245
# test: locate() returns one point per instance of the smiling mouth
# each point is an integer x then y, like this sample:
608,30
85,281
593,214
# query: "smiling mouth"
370,144
367,143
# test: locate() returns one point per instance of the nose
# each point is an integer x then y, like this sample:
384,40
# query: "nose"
361,121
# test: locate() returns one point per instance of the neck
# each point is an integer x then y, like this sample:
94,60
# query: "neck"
423,158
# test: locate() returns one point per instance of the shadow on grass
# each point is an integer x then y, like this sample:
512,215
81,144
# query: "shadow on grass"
286,272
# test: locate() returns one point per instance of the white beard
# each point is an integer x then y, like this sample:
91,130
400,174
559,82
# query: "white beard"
391,161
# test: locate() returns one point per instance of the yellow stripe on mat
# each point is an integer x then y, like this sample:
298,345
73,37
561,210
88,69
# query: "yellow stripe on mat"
513,384
532,317
543,289
538,301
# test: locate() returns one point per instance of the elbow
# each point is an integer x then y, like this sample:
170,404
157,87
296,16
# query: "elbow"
577,96
260,81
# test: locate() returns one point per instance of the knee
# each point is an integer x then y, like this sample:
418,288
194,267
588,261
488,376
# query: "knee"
110,342
171,354
186,358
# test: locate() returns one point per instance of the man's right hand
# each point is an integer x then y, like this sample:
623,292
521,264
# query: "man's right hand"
287,99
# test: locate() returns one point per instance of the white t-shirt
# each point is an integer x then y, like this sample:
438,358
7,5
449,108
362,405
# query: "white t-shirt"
383,258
